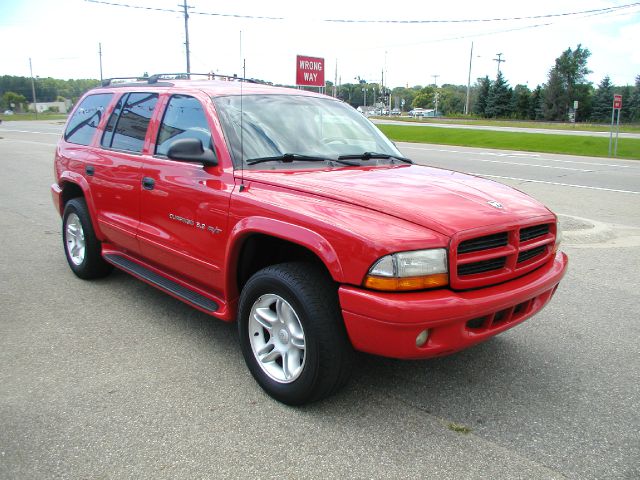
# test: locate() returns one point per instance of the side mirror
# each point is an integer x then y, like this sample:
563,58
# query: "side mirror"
191,150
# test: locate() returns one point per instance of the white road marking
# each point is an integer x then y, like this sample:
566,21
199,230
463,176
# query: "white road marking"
29,131
14,140
556,183
533,165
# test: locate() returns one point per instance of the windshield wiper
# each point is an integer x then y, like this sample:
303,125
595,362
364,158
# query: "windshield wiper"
288,158
370,155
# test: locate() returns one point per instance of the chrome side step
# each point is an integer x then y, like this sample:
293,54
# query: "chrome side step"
163,283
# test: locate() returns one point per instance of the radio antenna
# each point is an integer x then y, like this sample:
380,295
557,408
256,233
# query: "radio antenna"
242,119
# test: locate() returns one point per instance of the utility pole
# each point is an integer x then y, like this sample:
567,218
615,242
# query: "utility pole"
435,82
33,90
466,105
499,60
186,32
100,55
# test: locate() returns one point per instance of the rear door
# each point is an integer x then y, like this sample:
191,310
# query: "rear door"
116,168
184,206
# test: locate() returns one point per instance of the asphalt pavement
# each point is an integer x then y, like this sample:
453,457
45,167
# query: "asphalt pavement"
114,379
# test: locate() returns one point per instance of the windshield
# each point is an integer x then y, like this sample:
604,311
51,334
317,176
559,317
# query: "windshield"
275,130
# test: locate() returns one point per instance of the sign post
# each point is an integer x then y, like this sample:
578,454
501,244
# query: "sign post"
309,71
617,106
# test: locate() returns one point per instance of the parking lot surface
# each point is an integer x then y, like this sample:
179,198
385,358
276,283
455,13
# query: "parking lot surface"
114,379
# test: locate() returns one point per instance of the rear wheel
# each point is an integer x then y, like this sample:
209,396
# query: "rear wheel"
292,334
82,248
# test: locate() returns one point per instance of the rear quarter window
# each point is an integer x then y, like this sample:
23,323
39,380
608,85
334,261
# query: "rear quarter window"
85,119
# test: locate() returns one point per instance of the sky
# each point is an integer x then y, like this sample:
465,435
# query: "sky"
61,37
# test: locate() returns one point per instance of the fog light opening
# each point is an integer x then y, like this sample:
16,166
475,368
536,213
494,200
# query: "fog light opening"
422,338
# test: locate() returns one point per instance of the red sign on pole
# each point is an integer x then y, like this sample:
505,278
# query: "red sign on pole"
617,101
309,71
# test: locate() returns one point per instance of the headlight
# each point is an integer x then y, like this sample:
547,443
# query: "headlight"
415,270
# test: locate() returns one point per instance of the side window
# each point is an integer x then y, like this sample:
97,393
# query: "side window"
85,119
183,118
107,137
131,126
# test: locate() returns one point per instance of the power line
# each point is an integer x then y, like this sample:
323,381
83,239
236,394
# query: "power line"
503,19
410,21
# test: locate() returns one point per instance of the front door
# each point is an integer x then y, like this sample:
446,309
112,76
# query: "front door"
184,206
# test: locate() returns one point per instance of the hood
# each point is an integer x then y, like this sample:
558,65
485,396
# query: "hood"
441,200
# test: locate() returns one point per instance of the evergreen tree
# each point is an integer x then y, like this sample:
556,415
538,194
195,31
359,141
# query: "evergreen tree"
499,99
625,112
634,102
520,102
535,104
555,97
483,87
603,101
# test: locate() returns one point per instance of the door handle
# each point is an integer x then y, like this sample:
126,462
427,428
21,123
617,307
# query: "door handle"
148,183
90,170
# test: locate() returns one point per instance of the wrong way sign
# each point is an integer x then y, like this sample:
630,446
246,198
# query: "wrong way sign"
617,101
309,71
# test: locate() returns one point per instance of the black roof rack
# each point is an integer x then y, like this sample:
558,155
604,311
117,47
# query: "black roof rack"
107,81
187,76
156,77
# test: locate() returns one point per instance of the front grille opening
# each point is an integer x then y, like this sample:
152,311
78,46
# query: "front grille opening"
483,243
529,254
521,308
482,266
500,317
536,231
476,323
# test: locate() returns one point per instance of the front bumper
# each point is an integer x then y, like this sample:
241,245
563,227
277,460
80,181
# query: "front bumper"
387,324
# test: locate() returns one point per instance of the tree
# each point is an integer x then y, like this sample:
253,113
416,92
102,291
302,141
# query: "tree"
555,97
425,99
520,102
603,101
499,98
12,101
451,100
535,104
634,102
572,69
483,85
625,92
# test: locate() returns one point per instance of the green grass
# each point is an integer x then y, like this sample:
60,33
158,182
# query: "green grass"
32,116
528,142
456,427
586,127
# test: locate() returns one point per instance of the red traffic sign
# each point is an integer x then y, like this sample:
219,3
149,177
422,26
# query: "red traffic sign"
617,101
309,71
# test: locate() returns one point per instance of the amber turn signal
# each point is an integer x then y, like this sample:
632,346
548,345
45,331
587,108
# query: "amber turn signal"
395,284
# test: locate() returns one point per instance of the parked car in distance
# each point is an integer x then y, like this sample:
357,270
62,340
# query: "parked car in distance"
291,214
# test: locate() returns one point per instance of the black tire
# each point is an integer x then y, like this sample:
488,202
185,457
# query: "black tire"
89,264
327,356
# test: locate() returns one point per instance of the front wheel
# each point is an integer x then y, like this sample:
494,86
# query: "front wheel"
292,334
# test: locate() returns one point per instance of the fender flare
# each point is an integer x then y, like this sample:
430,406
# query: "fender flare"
286,231
71,177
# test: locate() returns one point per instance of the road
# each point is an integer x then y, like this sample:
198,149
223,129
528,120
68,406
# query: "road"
113,379
549,131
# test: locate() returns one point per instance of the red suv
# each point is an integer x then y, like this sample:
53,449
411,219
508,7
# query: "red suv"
290,213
